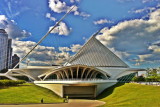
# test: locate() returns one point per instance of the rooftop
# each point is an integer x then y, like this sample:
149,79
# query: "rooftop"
94,53
2,31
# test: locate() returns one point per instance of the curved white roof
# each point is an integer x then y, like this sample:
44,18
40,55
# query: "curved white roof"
94,53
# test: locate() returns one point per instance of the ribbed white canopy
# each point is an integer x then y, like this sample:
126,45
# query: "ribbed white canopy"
94,53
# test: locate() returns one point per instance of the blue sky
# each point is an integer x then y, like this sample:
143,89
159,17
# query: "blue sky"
127,28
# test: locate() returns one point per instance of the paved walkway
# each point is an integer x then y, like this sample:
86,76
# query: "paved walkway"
72,103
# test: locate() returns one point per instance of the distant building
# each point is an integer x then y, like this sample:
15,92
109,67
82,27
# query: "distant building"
15,60
9,54
3,49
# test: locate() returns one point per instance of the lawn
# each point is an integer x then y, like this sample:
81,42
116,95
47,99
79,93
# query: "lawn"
131,95
27,93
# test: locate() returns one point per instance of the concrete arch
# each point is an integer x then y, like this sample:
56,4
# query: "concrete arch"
76,72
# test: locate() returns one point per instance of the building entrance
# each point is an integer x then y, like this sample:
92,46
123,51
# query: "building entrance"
79,91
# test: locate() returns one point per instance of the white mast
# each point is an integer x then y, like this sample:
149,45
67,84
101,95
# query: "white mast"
44,37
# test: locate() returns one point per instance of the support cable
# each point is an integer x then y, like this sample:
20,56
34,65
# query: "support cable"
44,37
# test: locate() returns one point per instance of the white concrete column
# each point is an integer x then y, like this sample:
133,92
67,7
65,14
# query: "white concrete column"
83,72
61,74
88,73
66,73
57,75
77,71
71,72
92,74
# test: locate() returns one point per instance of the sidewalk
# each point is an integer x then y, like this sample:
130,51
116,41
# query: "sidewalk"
72,103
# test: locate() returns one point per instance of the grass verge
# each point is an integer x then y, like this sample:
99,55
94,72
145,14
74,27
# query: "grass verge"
131,95
27,93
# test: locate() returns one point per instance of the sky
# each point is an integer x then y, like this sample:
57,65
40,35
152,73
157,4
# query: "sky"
130,28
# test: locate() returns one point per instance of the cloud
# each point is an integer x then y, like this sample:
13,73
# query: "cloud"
83,14
74,48
61,29
12,29
72,1
102,21
42,55
2,18
134,37
9,7
143,58
48,15
146,9
145,1
155,55
58,6
63,49
61,6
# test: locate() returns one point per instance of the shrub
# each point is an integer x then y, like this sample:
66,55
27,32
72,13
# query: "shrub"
138,79
153,79
11,82
134,79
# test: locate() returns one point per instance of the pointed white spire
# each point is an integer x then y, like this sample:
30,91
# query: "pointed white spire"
94,53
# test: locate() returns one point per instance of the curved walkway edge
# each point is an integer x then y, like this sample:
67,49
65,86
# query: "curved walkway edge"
72,103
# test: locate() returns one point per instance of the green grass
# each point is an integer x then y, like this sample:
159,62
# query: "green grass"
27,93
131,95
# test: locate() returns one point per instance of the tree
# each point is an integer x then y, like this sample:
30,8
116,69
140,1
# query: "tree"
153,75
138,79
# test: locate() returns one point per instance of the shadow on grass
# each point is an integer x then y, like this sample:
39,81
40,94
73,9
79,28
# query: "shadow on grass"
108,91
21,85
3,87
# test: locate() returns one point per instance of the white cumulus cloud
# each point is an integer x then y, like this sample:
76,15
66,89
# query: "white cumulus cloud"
61,29
61,6
145,1
74,48
146,9
12,29
102,21
48,15
42,55
72,1
134,37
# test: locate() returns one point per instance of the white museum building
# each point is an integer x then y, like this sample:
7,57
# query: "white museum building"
89,72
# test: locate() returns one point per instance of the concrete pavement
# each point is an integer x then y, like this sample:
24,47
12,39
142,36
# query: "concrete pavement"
72,103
